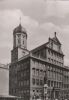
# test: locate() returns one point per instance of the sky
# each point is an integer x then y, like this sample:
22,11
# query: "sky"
41,18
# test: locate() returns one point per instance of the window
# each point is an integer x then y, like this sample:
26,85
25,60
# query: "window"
21,83
21,74
41,82
49,51
24,82
33,90
33,71
27,82
37,72
52,60
49,83
41,72
48,59
37,81
37,90
52,83
24,73
52,53
33,81
45,73
19,38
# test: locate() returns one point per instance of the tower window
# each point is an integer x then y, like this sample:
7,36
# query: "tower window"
19,39
23,42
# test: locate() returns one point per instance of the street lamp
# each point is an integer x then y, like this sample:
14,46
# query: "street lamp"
34,97
45,92
45,86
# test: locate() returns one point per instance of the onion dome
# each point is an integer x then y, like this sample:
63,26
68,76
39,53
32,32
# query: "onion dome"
20,29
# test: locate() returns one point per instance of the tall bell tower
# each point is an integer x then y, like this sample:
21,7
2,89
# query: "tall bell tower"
19,43
20,37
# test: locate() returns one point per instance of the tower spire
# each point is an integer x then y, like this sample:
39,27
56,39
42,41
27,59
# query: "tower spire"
20,20
55,34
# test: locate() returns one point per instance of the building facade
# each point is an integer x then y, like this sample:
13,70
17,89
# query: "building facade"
29,68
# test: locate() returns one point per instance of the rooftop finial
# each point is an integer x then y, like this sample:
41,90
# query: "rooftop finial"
20,19
55,34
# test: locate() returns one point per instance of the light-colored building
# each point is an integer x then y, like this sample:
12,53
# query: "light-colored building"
4,79
29,68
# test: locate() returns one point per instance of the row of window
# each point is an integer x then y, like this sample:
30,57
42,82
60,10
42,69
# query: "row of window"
23,65
57,84
50,83
66,73
52,53
54,75
24,83
54,84
54,69
38,64
37,72
55,62
43,66
38,90
40,53
23,92
20,66
51,71
66,79
23,73
66,85
37,81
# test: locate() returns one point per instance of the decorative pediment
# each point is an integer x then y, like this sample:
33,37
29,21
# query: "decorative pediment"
55,39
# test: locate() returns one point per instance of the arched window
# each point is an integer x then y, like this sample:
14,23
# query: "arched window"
19,39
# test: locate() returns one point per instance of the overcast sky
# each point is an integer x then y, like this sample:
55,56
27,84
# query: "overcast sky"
41,18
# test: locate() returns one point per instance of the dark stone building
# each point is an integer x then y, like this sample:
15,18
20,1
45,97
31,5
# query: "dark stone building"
28,68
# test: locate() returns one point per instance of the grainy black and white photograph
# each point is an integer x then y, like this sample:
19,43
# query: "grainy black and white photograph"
34,49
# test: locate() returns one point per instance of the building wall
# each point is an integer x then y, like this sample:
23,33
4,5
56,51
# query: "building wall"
22,53
38,70
55,57
19,81
41,68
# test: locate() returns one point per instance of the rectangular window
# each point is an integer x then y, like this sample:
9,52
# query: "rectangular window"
41,82
27,82
49,83
37,72
33,71
37,81
41,72
33,81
